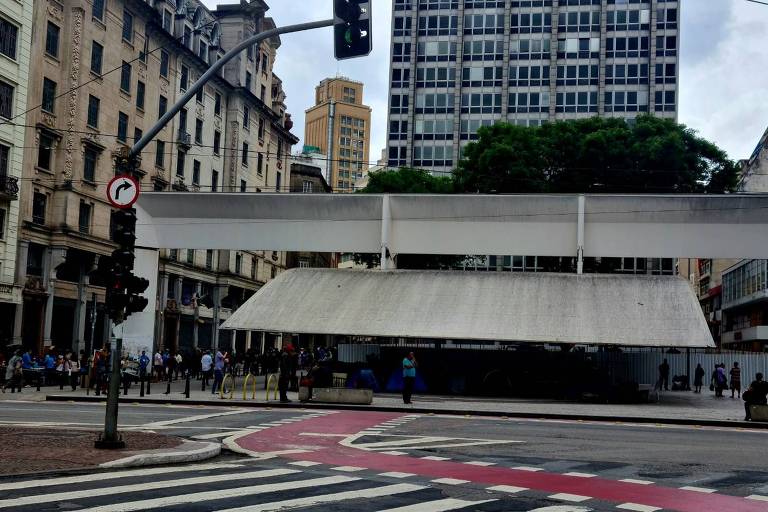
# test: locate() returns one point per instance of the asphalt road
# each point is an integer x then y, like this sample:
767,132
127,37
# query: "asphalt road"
717,463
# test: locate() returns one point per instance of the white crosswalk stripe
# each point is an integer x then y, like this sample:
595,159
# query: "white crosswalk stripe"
438,505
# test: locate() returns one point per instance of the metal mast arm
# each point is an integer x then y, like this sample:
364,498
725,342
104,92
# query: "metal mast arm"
213,70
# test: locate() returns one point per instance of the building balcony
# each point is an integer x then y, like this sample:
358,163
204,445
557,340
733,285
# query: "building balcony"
184,139
9,187
756,333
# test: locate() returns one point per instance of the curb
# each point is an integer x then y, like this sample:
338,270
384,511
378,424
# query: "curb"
423,410
200,451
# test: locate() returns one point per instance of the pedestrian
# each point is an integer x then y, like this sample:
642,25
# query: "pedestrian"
719,381
83,369
143,365
218,372
206,363
287,372
13,372
63,370
74,370
409,377
158,362
755,395
100,370
50,363
664,375
735,380
179,369
698,378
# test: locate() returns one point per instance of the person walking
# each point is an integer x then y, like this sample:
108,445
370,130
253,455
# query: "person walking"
74,370
755,395
178,367
735,380
218,372
719,381
664,375
13,372
698,378
287,372
206,363
409,377
158,362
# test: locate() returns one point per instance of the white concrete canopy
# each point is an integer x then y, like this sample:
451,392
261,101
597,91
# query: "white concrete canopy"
496,306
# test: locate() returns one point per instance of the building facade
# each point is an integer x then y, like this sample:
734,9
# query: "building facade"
339,124
102,72
15,41
745,306
459,65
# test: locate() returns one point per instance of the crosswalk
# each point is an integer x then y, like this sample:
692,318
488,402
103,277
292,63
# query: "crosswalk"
253,486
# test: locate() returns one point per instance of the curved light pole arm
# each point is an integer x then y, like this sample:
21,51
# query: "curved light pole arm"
213,70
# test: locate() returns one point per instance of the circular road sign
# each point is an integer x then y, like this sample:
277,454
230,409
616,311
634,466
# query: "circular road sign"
123,191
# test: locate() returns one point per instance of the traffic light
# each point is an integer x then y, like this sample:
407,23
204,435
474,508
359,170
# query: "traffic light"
352,28
124,289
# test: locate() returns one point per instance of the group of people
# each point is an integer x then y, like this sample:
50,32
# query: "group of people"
24,369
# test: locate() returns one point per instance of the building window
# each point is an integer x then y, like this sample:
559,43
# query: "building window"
5,152
238,263
198,131
127,26
125,77
160,154
52,40
97,58
183,120
90,157
98,9
195,172
209,259
164,63
2,224
180,163
137,134
49,95
243,186
6,100
199,95
246,117
9,34
217,104
84,222
140,91
260,164
191,256
173,254
264,63
254,267
162,106
306,187
244,157
184,79
203,52
263,93
187,37
261,128
39,202
45,152
248,80
122,126
278,181
214,181
216,142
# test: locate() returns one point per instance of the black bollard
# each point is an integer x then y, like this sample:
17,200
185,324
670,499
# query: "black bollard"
126,383
39,378
186,387
141,388
149,381
168,389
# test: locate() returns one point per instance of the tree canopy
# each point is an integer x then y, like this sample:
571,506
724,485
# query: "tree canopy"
407,181
595,155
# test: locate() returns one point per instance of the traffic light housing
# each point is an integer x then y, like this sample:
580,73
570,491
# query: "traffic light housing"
352,28
124,289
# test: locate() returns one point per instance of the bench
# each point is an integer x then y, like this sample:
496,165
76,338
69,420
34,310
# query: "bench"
337,395
759,412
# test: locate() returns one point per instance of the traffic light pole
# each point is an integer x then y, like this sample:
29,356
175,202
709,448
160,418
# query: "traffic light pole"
110,439
214,70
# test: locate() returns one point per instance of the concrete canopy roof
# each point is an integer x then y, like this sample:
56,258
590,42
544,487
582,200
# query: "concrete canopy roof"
593,309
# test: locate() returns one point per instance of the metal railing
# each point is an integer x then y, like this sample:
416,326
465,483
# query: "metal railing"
9,185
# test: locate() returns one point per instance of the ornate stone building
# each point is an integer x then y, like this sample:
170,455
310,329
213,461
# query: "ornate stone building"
102,73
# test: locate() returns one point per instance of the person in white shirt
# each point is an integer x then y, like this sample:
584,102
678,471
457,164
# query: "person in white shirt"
206,363
158,362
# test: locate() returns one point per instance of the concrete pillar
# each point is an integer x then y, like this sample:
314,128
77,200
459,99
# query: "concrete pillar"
81,307
219,291
54,257
21,279
160,314
195,326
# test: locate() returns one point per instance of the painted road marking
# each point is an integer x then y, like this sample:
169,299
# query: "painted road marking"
574,498
194,418
394,453
450,481
397,474
638,482
510,489
146,486
637,507
348,469
68,480
434,457
580,475
226,434
438,505
236,492
698,489
305,463
480,463
376,492
757,497
527,468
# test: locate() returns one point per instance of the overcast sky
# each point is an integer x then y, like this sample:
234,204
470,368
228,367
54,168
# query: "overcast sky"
722,86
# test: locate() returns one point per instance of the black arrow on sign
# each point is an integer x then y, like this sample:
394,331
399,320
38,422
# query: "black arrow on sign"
126,185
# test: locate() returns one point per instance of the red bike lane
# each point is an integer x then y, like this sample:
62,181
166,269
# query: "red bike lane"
318,440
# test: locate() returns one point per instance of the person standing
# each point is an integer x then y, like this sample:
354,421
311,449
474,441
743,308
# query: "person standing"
698,378
409,377
206,363
664,375
755,395
158,366
218,372
13,373
84,366
143,365
287,371
735,380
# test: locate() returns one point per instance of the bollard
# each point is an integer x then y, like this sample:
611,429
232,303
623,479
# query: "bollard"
39,377
168,389
141,388
149,381
186,387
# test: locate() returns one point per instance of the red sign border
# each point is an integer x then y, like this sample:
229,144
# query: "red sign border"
123,177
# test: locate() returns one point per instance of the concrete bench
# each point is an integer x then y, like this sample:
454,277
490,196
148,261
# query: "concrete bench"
759,412
337,395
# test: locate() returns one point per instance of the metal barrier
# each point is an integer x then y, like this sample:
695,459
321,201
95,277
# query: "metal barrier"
252,378
269,382
227,378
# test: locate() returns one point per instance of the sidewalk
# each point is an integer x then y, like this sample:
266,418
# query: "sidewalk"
673,408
